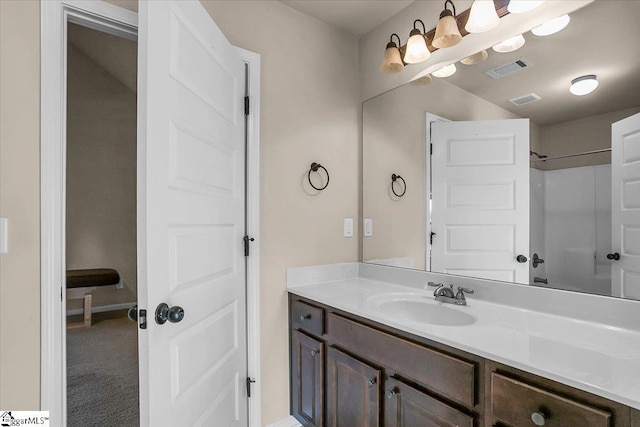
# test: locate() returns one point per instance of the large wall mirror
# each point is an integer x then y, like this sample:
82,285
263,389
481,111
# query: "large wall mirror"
499,172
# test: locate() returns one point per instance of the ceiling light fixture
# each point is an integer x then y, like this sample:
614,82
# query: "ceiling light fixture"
447,32
583,85
417,50
552,27
509,45
446,71
392,61
476,58
521,6
483,17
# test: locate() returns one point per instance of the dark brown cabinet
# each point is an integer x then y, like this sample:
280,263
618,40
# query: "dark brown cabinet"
307,376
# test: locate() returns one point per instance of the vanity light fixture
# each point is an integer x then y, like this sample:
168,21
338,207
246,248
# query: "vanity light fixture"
417,50
476,58
447,32
521,6
510,45
392,61
483,17
446,71
551,27
584,85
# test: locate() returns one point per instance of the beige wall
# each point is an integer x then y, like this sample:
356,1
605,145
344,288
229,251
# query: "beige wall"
20,203
101,175
394,138
576,136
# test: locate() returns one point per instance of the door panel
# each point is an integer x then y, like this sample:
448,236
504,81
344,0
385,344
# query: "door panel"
307,374
192,137
480,199
625,209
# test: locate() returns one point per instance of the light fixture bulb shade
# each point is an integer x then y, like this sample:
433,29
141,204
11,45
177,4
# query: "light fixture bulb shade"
483,17
391,61
509,45
476,58
447,33
584,85
417,50
522,6
446,71
552,27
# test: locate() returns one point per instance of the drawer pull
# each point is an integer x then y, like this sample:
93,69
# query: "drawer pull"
390,393
538,418
371,382
314,353
303,317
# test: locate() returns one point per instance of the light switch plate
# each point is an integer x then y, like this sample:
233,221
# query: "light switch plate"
368,227
4,230
348,227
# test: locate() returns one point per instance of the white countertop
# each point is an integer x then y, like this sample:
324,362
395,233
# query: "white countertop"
600,359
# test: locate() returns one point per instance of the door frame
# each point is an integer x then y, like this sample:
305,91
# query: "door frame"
54,15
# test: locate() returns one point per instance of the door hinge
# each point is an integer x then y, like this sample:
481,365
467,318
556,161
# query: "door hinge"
431,237
246,105
249,382
431,148
246,240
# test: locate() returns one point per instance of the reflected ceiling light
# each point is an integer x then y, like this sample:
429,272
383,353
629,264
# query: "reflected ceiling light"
391,61
447,32
476,58
509,45
483,17
521,6
446,71
417,50
552,27
583,85
421,81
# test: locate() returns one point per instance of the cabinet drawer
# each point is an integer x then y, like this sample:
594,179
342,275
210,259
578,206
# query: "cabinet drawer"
437,371
307,317
515,402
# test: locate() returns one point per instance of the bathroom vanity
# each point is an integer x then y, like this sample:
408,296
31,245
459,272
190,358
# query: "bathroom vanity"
368,353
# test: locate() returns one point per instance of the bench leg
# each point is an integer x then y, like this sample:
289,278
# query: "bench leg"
87,310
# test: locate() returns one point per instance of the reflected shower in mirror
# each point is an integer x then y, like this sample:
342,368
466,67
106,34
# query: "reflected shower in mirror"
511,175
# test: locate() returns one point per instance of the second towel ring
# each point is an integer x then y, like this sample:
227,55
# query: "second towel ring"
314,168
394,178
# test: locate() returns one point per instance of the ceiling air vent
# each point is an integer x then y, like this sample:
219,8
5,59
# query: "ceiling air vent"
524,99
508,68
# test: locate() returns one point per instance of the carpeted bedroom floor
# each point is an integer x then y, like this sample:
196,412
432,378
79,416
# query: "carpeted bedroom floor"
102,374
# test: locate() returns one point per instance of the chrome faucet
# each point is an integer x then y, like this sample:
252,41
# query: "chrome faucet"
446,294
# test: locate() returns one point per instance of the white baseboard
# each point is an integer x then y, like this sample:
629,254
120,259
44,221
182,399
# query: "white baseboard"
103,308
286,422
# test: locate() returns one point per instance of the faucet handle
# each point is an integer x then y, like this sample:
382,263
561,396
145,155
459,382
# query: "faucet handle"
465,290
434,284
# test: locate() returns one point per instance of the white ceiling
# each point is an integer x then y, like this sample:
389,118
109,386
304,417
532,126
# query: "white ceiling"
357,17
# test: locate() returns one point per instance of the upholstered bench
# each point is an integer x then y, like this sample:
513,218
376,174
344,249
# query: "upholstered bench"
80,284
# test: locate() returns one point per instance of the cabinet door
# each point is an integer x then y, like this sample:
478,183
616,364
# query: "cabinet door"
307,391
407,407
353,391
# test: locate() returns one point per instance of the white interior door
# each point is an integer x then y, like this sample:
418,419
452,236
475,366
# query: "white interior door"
191,89
625,208
480,206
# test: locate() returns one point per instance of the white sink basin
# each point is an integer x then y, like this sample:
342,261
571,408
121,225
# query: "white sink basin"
418,309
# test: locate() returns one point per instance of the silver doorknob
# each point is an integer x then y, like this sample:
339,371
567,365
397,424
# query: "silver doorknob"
538,418
172,314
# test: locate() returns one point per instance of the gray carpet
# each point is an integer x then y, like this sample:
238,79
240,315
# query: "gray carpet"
102,374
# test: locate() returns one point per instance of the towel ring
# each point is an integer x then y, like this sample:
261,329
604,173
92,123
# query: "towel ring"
314,168
394,178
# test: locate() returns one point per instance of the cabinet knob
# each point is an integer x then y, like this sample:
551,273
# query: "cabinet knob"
390,393
303,317
314,353
371,382
538,418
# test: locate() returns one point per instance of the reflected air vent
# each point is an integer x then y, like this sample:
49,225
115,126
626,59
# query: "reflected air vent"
524,99
509,68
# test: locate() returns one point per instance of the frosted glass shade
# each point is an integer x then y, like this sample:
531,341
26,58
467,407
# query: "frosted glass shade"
476,58
509,45
552,27
483,17
521,6
417,50
447,33
391,61
446,71
584,85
